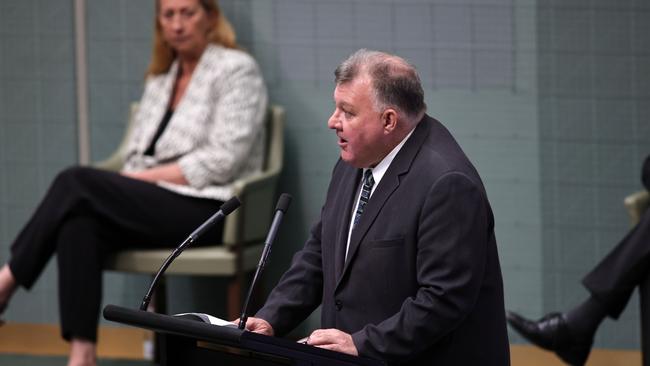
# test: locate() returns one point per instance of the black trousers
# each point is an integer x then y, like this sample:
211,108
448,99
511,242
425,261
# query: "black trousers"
613,280
87,214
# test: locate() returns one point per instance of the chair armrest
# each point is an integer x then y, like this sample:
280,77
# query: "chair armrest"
636,204
113,163
244,186
256,193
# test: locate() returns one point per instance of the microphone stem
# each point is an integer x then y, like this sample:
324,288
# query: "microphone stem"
244,316
147,298
260,266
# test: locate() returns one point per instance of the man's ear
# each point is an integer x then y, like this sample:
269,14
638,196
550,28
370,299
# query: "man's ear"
389,120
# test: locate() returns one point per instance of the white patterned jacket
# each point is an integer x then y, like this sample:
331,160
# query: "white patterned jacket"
216,133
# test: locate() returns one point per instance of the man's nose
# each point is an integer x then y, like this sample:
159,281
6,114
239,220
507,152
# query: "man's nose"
333,121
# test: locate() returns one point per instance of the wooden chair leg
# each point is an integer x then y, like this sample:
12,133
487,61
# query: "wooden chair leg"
158,305
235,289
644,292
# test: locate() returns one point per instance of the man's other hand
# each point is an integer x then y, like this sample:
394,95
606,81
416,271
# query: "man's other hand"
333,339
258,325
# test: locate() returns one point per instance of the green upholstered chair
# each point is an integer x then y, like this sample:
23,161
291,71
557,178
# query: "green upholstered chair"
244,230
636,205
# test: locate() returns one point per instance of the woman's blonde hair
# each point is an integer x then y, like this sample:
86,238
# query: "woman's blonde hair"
222,33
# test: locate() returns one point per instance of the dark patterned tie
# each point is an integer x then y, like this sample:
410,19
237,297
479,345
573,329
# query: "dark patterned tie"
368,182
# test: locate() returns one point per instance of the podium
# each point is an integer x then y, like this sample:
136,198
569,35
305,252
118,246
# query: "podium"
191,342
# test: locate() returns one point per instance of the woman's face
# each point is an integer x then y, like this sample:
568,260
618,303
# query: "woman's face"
185,25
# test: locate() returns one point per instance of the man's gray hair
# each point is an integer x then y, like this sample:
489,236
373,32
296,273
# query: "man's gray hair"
395,82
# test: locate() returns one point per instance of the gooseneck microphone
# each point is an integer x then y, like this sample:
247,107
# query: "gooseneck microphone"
225,209
280,209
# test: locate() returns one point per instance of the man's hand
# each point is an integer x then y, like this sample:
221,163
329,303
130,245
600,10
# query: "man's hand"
333,339
258,325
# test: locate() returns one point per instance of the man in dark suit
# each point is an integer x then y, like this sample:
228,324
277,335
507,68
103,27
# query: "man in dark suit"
404,258
570,334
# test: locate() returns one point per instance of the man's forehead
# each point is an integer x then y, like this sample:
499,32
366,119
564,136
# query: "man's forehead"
354,87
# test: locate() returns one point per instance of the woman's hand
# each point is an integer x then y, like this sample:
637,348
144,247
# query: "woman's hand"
166,173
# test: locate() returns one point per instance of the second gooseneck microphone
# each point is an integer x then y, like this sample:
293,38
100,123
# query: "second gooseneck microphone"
280,209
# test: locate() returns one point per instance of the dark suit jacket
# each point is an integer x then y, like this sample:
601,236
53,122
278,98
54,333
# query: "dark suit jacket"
422,282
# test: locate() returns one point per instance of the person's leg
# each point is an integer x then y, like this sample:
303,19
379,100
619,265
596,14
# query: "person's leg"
118,212
82,353
81,251
585,318
611,283
7,287
142,209
89,213
614,279
35,244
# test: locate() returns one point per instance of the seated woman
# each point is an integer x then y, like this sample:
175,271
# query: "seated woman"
198,128
611,283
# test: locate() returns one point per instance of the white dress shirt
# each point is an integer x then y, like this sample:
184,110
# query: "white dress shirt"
377,174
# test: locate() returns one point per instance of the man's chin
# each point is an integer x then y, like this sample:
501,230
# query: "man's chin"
350,160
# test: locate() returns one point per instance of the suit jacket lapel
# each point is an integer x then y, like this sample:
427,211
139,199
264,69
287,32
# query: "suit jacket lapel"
388,184
184,106
158,109
349,184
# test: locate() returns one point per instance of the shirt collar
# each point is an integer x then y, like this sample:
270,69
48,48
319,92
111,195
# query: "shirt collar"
380,169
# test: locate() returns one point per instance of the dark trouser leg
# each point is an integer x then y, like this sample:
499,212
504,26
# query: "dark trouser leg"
613,280
80,255
86,207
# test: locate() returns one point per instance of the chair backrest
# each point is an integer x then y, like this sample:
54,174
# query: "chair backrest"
116,160
250,223
636,205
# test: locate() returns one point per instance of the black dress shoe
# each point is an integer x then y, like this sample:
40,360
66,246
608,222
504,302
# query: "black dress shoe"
552,333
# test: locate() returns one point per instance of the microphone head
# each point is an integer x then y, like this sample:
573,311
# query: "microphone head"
230,205
283,202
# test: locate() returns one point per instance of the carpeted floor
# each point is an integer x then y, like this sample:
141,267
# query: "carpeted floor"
21,360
